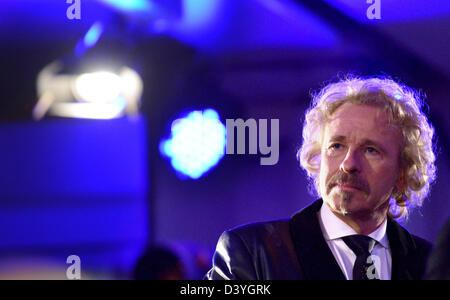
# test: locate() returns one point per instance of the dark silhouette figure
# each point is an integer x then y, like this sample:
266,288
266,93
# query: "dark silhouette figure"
438,267
159,263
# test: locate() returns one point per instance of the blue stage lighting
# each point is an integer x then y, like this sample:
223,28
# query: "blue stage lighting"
90,39
197,143
130,5
92,36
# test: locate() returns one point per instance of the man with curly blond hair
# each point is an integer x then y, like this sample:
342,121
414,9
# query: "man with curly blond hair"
368,151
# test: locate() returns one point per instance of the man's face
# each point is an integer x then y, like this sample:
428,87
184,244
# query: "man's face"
359,160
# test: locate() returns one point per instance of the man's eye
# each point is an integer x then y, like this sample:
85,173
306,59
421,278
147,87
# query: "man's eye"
336,146
372,150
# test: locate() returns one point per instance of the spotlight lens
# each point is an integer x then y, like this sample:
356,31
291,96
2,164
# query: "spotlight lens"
98,87
197,143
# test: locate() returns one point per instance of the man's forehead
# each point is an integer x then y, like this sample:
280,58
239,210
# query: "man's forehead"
361,115
363,111
367,121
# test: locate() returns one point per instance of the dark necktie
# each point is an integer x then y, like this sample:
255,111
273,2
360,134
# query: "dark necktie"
362,246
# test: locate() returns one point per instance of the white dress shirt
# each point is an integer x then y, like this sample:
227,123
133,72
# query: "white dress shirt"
333,229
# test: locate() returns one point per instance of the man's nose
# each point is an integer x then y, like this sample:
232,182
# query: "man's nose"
351,162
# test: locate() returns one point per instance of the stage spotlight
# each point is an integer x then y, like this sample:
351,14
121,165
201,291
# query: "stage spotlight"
99,87
95,95
197,143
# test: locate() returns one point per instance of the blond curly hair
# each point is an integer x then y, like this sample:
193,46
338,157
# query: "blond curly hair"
404,107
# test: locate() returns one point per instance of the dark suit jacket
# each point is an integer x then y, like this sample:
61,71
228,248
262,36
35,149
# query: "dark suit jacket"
296,249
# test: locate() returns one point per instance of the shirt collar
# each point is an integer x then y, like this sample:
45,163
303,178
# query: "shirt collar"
335,228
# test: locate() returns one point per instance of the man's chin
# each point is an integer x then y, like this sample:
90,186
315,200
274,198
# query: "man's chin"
344,203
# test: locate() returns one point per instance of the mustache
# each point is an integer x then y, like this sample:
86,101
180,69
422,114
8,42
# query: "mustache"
342,178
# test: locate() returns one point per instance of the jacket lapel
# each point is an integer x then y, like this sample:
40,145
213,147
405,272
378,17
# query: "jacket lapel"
402,250
314,255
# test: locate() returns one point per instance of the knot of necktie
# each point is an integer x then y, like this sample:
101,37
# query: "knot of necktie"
360,244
